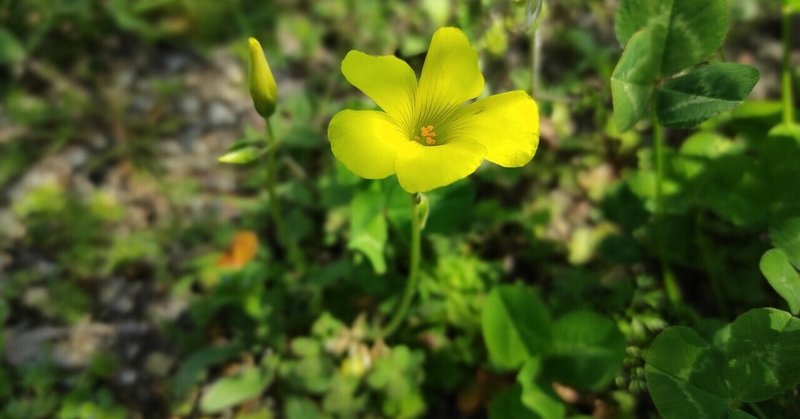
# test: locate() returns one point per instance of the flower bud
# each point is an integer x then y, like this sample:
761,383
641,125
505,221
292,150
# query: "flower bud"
263,89
241,155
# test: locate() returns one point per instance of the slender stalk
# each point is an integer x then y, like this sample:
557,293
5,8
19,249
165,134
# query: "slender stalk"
786,69
670,283
535,66
274,205
533,11
413,272
711,265
757,410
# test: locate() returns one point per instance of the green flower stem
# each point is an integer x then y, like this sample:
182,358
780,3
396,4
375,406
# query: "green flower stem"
413,272
295,256
670,283
786,69
535,65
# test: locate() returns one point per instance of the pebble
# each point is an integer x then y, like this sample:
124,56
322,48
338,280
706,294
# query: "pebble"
10,226
190,105
158,364
220,114
77,156
128,377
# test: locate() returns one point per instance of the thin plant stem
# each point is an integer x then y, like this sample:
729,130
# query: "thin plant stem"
413,272
787,91
711,265
535,44
535,65
670,283
757,410
274,205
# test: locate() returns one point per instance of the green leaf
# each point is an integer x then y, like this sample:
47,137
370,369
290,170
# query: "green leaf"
792,6
632,16
762,352
368,229
785,235
708,145
231,391
782,276
753,109
588,350
536,395
633,78
195,366
684,376
706,91
515,326
11,50
450,207
689,30
785,130
508,405
740,414
302,408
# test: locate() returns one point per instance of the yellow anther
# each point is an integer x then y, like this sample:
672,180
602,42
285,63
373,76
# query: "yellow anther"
428,134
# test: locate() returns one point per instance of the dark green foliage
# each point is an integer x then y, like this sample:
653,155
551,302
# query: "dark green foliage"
663,38
690,99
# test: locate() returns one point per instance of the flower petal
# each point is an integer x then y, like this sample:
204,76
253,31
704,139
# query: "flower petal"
450,76
366,142
506,124
422,168
386,79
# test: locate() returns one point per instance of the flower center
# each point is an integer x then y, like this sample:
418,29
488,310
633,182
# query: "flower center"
426,135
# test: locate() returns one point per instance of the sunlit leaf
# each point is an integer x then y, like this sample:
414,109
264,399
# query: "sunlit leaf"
231,391
194,367
11,50
538,395
368,229
633,77
762,352
515,326
632,16
684,376
782,276
688,30
785,235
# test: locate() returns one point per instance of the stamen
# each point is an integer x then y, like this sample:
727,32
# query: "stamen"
428,134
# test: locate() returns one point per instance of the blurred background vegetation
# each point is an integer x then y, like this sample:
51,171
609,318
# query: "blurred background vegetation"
141,278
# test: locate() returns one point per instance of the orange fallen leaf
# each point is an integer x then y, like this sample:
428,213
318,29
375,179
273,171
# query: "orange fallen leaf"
243,249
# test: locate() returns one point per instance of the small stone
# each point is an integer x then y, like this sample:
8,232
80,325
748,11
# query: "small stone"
175,63
10,226
36,297
219,115
128,377
158,364
190,105
77,156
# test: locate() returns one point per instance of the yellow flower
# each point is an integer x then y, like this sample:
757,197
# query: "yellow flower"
263,89
427,134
